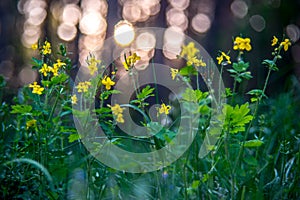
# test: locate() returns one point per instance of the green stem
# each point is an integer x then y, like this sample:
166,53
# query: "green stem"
155,83
137,109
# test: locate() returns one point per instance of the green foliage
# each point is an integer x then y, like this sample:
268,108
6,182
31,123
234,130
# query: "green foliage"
239,71
236,118
142,96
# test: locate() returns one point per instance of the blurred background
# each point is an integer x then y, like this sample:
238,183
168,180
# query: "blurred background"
84,24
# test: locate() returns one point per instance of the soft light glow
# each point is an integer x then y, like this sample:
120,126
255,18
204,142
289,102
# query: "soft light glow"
92,23
174,35
131,12
177,18
293,32
171,51
145,41
180,4
27,75
257,22
124,33
239,8
66,32
71,14
201,23
37,16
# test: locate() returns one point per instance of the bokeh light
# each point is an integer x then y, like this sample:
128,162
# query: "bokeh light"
239,8
67,32
293,32
257,22
124,33
201,23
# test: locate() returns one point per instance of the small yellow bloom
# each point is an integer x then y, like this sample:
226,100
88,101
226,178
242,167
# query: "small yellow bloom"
130,60
107,82
34,46
30,123
120,118
74,99
196,62
274,41
286,43
45,69
222,56
174,72
189,50
164,109
242,44
117,112
92,65
36,89
83,86
113,72
46,48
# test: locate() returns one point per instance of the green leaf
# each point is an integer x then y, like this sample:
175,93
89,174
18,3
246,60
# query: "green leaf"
59,79
253,143
73,137
270,64
21,109
189,95
2,82
250,160
145,93
36,63
241,66
195,184
188,70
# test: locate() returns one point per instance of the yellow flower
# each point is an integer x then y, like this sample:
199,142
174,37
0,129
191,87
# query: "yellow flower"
36,89
113,72
117,112
222,56
34,46
274,41
74,99
196,62
83,86
120,118
189,50
46,48
30,123
107,82
92,65
164,109
57,66
174,72
45,69
286,43
130,60
242,44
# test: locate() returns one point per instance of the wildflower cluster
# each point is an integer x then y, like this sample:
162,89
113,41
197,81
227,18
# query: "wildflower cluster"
83,86
46,48
190,52
130,61
117,112
242,44
92,64
30,123
285,43
222,57
164,109
36,89
107,82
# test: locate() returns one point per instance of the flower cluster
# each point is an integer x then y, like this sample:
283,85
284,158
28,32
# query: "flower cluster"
83,86
117,112
107,82
222,57
36,89
30,123
130,60
164,109
285,44
46,48
190,52
74,99
242,44
92,64
174,72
